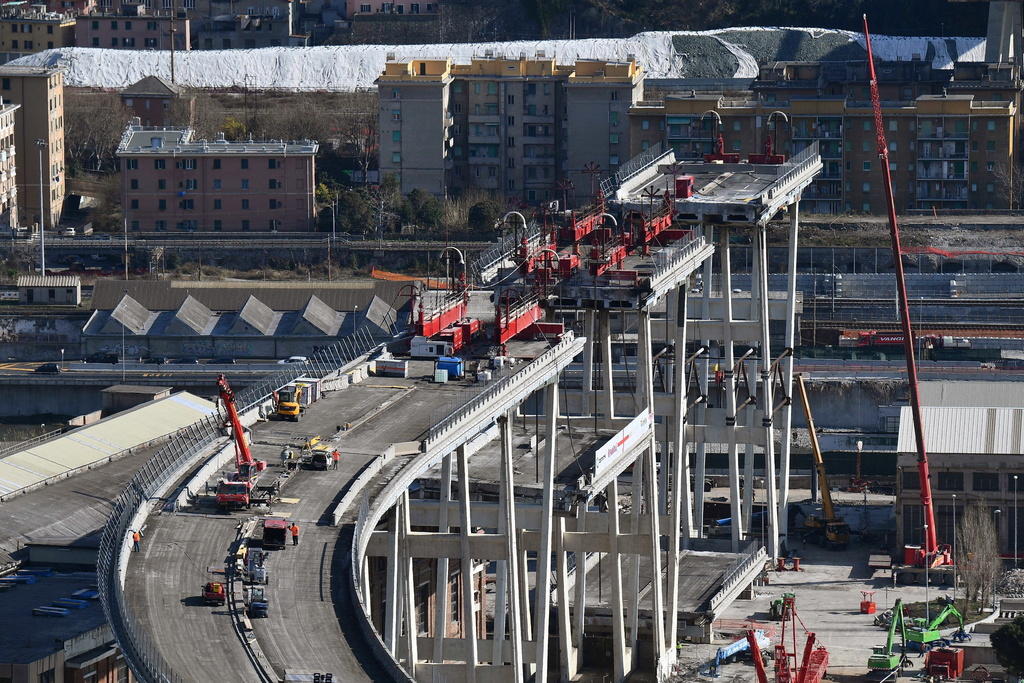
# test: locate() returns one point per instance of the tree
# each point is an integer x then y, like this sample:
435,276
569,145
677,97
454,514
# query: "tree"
978,554
483,215
93,125
1008,642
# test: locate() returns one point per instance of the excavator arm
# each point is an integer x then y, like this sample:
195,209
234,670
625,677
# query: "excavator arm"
827,509
948,611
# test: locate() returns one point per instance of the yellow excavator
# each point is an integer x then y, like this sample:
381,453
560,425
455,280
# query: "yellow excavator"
288,402
828,529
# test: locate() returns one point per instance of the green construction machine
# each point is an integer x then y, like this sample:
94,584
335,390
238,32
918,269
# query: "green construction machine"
883,658
923,634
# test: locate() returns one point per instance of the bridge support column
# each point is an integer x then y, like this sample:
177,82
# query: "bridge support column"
703,366
391,612
542,581
408,588
468,614
621,661
749,418
679,501
606,402
636,497
580,603
442,592
511,575
653,506
588,362
786,420
729,380
566,648
765,395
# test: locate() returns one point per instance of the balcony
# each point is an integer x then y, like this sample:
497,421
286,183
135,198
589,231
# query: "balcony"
483,138
484,118
959,177
540,160
484,161
538,139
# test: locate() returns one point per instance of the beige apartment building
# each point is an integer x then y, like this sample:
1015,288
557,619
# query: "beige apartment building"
25,32
171,182
40,117
8,168
515,126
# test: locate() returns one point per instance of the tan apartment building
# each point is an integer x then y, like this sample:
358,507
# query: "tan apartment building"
171,182
8,168
25,32
134,28
515,126
947,151
39,136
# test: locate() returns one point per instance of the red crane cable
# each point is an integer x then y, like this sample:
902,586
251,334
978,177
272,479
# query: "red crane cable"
930,542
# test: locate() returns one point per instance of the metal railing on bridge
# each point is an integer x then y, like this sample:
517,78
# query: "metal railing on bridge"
161,471
632,167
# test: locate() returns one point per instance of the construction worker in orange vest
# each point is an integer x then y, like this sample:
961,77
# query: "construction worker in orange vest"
335,456
294,528
136,539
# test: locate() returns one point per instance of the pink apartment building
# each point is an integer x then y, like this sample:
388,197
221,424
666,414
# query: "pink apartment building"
353,7
171,182
133,29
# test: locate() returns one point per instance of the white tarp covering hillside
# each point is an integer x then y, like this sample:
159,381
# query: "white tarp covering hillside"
684,54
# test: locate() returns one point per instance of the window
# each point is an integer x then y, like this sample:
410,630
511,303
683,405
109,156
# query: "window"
272,163
159,164
132,164
865,207
613,138
135,203
48,676
867,166
95,42
892,146
216,164
990,166
216,204
14,44
274,204
135,225
951,481
645,124
476,88
457,87
510,99
396,157
216,183
161,184
150,25
613,160
396,136
113,26
134,183
162,204
5,84
191,183
985,481
161,225
893,166
187,204
492,87
990,145
989,187
865,187
217,223
865,146
186,164
893,125
272,184
95,25
245,204
245,183
613,118
245,163
990,125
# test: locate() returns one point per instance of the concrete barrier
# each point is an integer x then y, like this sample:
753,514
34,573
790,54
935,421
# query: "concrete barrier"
217,460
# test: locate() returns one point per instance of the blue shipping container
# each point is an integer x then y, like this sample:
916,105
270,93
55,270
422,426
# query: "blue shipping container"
454,366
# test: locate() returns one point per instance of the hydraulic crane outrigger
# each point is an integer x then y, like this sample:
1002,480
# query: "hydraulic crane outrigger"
930,553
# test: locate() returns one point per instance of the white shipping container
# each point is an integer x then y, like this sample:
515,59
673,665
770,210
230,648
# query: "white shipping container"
441,376
392,368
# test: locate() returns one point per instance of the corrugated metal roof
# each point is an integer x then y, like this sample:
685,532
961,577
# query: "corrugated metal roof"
256,315
967,431
49,281
977,394
321,316
192,317
96,442
133,315
230,296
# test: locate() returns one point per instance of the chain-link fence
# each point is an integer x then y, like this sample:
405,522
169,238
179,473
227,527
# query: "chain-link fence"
140,651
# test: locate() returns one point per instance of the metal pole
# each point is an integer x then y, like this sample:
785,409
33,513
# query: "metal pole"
40,143
956,561
1015,521
927,563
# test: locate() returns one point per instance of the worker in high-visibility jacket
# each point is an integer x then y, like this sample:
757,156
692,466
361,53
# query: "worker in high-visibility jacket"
294,528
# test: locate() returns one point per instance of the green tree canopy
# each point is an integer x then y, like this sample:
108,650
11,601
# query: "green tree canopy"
1008,642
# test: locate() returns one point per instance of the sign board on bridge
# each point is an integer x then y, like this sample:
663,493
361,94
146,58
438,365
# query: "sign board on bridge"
636,432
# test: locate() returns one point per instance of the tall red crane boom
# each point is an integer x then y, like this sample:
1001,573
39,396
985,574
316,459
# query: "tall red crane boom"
246,466
930,544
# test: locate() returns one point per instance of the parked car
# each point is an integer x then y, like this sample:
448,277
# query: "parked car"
156,360
221,361
185,361
48,369
101,357
292,359
68,232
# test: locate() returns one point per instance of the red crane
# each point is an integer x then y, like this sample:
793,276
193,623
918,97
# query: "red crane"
755,655
814,663
930,553
236,491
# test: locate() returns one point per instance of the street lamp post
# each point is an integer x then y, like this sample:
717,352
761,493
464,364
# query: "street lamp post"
1015,521
956,560
62,359
40,143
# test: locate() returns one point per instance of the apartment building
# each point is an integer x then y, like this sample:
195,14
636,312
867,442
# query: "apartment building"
269,27
134,28
25,32
516,126
159,103
950,149
354,7
38,136
170,181
8,169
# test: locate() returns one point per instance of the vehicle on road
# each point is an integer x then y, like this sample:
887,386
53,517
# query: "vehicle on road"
288,402
292,359
156,360
275,533
68,232
221,361
102,357
185,361
48,369
213,593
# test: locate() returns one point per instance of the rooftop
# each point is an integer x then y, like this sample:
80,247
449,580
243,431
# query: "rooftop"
27,638
49,281
965,431
156,140
151,86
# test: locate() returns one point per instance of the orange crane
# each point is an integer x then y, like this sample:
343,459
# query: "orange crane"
930,553
237,491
